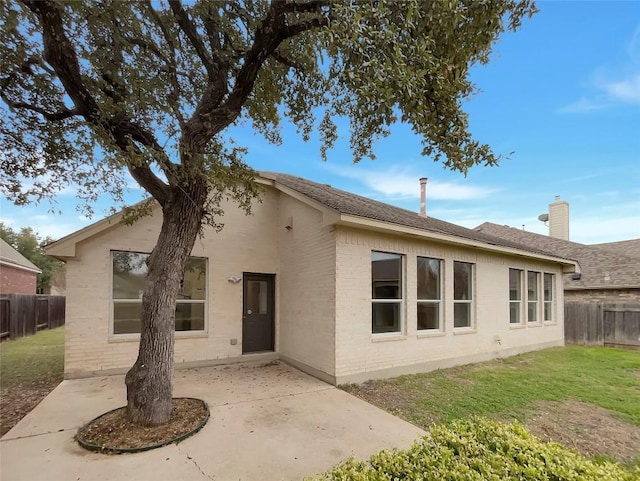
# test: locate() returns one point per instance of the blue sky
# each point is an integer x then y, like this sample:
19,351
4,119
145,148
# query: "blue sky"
563,94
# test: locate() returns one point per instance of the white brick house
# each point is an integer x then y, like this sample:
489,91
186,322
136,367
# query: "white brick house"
343,287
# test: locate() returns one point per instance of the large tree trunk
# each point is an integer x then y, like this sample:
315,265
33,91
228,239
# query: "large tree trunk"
149,381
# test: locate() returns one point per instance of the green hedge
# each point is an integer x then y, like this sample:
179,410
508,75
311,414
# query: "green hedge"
479,449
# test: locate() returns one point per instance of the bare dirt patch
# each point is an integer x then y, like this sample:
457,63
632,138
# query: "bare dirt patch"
385,395
113,432
589,429
18,401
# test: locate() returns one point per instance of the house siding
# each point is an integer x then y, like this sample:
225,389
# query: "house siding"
246,244
17,281
307,288
361,355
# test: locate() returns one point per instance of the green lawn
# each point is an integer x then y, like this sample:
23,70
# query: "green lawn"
509,388
30,367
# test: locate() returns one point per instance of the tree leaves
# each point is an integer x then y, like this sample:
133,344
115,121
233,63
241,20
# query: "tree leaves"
152,86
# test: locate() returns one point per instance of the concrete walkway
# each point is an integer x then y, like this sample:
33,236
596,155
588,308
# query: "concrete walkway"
268,422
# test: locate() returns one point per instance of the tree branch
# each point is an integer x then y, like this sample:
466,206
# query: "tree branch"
170,62
144,176
210,118
287,62
51,116
212,27
60,54
308,6
190,31
298,28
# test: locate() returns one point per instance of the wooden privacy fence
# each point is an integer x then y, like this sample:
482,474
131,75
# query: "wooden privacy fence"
596,324
23,314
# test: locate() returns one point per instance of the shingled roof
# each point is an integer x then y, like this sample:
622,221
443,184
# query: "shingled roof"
12,258
601,267
351,204
629,248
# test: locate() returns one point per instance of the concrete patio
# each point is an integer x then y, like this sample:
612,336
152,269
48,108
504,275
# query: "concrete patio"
268,422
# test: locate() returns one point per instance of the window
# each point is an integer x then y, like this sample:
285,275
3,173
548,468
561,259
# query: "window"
515,296
129,274
462,294
548,288
533,296
429,293
386,292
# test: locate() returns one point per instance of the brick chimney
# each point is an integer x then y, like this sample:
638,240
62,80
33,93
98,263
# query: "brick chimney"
423,197
559,219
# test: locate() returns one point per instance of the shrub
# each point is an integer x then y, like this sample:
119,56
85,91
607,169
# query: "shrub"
479,449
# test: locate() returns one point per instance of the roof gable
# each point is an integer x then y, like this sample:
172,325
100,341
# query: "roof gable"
11,257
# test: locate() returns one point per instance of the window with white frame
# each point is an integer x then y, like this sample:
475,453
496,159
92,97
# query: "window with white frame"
533,296
548,291
515,296
386,292
129,274
462,294
429,293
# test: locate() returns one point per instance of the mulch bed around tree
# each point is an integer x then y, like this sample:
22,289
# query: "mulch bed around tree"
113,433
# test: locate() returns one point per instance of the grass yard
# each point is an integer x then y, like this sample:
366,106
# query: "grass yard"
30,367
585,398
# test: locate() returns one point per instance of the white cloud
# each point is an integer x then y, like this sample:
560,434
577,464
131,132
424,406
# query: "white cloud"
57,230
626,91
402,183
593,230
581,106
48,225
612,85
633,49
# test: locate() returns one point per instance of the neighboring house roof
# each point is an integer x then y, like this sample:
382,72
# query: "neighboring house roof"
629,248
349,209
601,268
12,258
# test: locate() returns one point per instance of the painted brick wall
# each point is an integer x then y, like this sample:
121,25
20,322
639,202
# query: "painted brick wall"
17,281
361,355
307,286
246,244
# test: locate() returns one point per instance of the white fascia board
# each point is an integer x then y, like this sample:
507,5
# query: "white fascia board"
568,266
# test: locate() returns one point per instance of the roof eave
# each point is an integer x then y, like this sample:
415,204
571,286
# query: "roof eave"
568,266
20,266
65,248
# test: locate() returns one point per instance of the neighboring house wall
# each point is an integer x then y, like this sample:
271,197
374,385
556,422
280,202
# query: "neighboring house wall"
17,281
602,295
246,244
361,355
58,284
307,288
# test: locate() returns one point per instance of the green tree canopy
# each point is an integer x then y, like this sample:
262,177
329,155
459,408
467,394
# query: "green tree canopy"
92,88
146,82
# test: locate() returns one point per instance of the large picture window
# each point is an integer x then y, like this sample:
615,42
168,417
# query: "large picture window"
515,296
386,292
129,274
462,294
548,288
429,293
533,296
